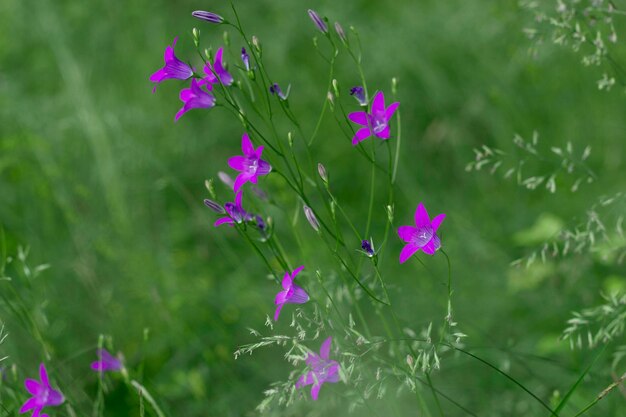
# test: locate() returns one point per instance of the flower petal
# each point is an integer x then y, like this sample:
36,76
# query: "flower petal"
246,145
315,390
29,405
436,222
299,296
287,280
406,232
361,134
297,271
32,386
385,133
407,252
277,312
332,372
325,348
359,117
43,375
431,247
237,162
421,216
223,220
263,168
391,110
378,104
240,181
306,379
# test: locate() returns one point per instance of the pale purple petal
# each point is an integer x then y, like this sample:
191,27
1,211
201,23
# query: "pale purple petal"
421,216
315,390
223,220
29,405
32,386
277,312
43,375
332,373
264,168
304,380
407,252
55,398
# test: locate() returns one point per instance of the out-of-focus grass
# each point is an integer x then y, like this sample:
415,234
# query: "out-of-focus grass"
99,181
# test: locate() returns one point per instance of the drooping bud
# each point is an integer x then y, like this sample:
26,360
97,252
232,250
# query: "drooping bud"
275,89
321,169
208,16
341,33
257,44
367,248
358,93
321,25
214,206
310,216
245,58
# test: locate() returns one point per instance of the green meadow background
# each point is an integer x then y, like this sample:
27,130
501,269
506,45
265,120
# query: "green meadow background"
98,181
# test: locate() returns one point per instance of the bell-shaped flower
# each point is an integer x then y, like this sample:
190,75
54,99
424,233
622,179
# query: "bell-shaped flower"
291,294
174,68
250,165
421,237
376,122
106,362
198,96
42,394
216,71
234,212
322,370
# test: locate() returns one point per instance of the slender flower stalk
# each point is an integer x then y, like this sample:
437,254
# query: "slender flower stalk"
208,16
421,237
174,68
291,294
322,370
42,394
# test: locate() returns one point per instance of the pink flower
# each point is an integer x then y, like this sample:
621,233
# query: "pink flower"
195,97
174,68
106,362
250,165
216,72
376,122
42,394
322,370
423,236
292,293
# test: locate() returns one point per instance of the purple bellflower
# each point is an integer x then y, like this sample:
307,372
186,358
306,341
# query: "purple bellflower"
106,362
250,165
208,16
423,236
321,25
234,212
198,96
42,394
275,89
292,293
245,58
375,123
174,68
322,370
216,72
358,93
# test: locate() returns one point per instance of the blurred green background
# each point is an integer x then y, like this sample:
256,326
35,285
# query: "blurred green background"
99,182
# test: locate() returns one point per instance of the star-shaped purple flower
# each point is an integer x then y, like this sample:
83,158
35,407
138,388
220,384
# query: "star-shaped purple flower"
174,68
292,293
423,236
250,165
42,394
322,370
216,72
234,212
376,122
196,97
106,362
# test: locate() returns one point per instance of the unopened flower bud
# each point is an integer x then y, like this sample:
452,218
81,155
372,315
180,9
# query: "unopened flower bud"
394,86
341,33
196,36
321,25
226,39
331,100
409,360
322,171
310,216
358,93
336,87
208,16
209,186
290,139
226,179
214,206
390,213
257,44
